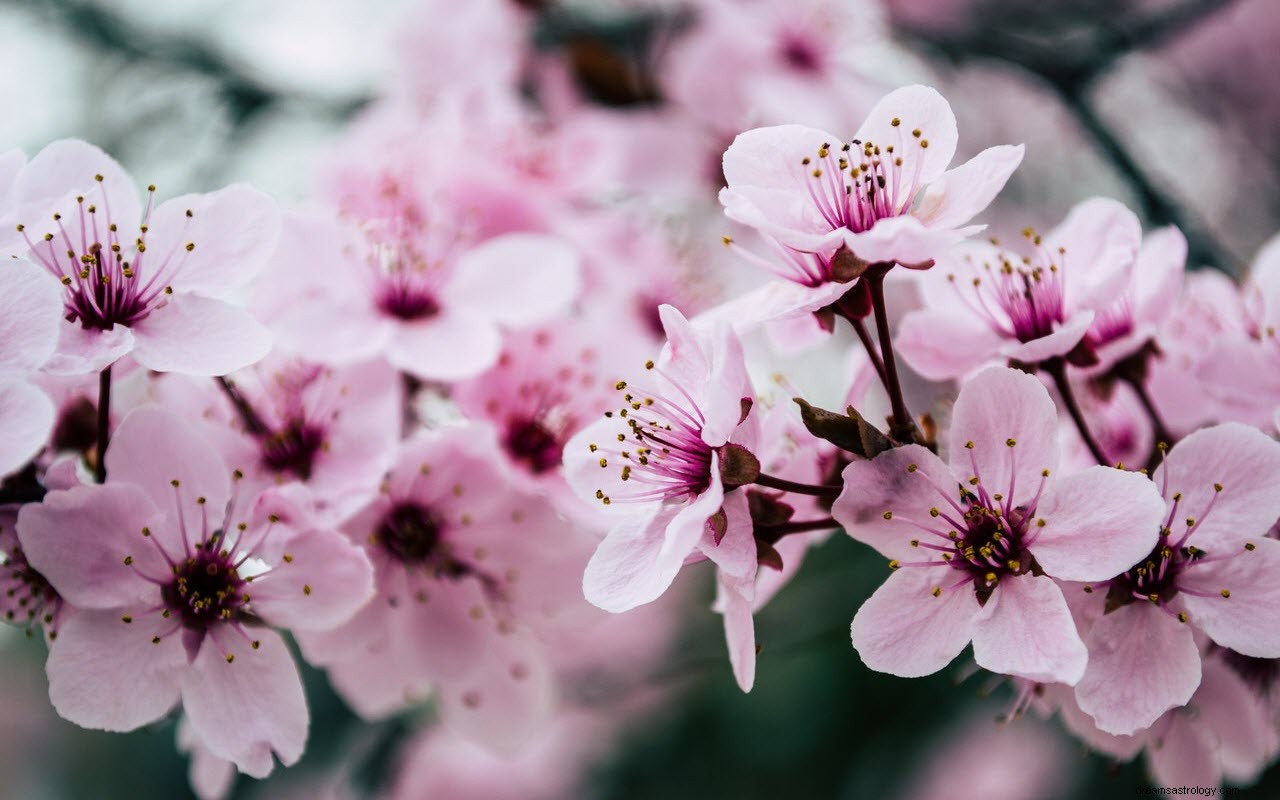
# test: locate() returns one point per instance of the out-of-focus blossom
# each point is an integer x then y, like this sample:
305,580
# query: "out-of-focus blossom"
30,305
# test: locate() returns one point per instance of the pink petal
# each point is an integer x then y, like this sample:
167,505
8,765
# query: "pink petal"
505,701
1026,630
1080,724
1234,716
1245,461
152,448
1183,754
84,350
961,193
685,356
735,553
325,581
1098,523
775,300
914,107
249,706
210,777
734,602
455,612
1249,620
885,484
107,675
904,630
234,230
996,406
517,279
26,418
1060,342
1142,662
943,345
79,540
1158,274
197,335
641,556
447,347
67,168
332,330
904,239
30,314
1101,238
725,386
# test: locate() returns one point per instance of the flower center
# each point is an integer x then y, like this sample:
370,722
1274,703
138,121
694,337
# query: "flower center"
293,448
109,281
800,53
28,598
410,534
1021,299
531,442
864,182
207,588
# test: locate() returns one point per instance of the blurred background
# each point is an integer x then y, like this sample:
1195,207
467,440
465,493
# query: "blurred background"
1168,105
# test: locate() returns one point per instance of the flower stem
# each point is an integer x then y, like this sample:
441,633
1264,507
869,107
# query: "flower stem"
1158,428
104,425
903,429
797,488
252,422
1057,369
773,533
864,336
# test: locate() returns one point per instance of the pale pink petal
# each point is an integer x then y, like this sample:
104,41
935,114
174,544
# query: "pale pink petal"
1060,342
30,313
26,418
914,108
1101,238
904,239
1157,276
904,630
446,625
332,330
80,538
323,583
1098,523
1248,621
583,471
446,347
884,503
769,158
503,702
725,386
735,553
942,345
1235,717
1142,662
1245,462
1183,753
106,674
734,602
196,335
234,230
1121,748
776,300
83,350
152,448
961,193
68,167
210,777
246,702
1026,630
518,279
999,406
685,356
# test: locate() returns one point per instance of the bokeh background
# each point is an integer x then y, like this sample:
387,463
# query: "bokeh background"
1168,105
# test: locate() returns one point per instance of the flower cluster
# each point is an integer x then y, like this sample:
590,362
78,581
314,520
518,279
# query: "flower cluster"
423,433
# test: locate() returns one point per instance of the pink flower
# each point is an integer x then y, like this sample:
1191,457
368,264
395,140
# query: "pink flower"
26,598
143,281
886,196
978,543
1212,570
30,304
173,580
656,463
984,304
416,292
470,570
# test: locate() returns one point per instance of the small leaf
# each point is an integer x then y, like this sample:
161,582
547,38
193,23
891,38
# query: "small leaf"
719,524
845,266
847,431
768,556
738,466
767,510
1118,596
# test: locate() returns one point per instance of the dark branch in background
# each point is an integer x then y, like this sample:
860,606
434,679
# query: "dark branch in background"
1072,69
245,95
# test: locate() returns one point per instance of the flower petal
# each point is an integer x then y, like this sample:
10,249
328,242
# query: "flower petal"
107,675
885,503
998,406
246,702
505,700
152,448
26,418
234,230
943,345
1098,523
1026,630
1142,662
30,313
915,108
323,583
446,347
517,279
961,193
1249,620
196,335
904,630
83,350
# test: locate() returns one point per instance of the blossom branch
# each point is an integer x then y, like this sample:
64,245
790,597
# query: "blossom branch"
1056,368
903,429
104,425
795,487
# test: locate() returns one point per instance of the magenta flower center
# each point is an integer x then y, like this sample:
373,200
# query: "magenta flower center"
534,444
1021,300
406,267
864,182
661,449
28,597
293,448
110,281
207,588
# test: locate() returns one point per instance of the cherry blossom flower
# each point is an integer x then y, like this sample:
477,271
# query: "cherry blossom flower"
656,463
143,280
976,544
30,304
829,208
1212,571
174,580
470,567
984,303
415,291
26,598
